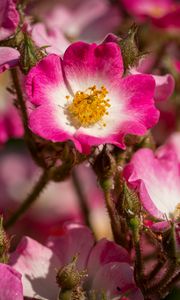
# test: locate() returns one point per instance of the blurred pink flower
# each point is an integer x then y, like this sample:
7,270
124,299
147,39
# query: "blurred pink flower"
107,264
156,178
9,18
53,38
59,89
11,286
10,122
56,205
162,13
79,19
9,58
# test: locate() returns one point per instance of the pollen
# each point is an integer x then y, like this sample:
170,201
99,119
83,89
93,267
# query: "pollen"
89,107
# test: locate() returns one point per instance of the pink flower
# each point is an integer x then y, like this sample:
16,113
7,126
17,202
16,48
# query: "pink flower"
9,18
156,178
10,122
107,264
84,98
162,13
11,286
82,19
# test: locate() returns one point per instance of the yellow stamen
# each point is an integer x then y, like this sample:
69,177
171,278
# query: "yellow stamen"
89,107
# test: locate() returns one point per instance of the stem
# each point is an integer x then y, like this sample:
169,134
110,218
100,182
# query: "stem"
28,136
155,271
115,224
82,199
138,269
20,98
40,185
164,281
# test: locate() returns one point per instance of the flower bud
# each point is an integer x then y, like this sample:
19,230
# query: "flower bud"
68,277
76,294
30,53
105,167
4,244
131,205
129,49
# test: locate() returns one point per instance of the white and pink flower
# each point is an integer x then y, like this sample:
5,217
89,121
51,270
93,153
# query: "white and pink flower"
107,265
84,98
156,178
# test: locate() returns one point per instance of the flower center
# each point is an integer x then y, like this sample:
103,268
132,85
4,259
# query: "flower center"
157,11
89,107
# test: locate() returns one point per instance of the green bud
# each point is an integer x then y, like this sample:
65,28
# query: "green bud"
76,294
131,205
105,166
4,244
69,277
129,49
134,223
30,53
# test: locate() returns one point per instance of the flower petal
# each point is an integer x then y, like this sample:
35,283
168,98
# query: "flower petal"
45,82
115,279
9,18
52,38
104,252
9,58
86,64
11,286
37,265
51,123
76,240
164,87
157,179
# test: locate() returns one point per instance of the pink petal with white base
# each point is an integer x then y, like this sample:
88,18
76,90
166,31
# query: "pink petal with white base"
157,179
38,265
116,279
11,286
43,80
